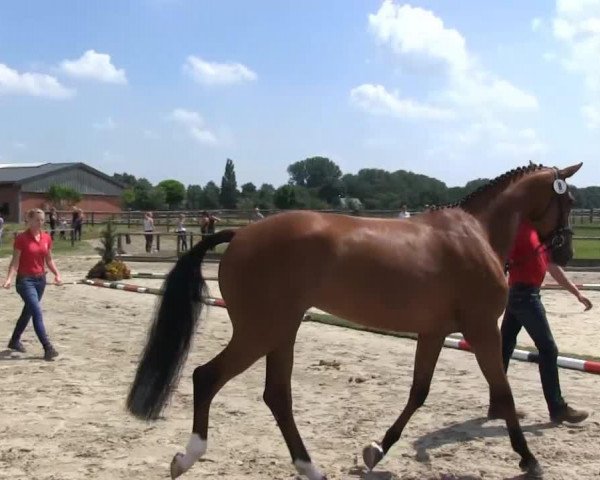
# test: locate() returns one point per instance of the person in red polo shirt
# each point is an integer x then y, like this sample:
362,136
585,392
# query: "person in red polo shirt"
32,253
528,264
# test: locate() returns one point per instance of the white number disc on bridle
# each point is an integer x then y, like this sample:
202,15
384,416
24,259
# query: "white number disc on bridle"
560,186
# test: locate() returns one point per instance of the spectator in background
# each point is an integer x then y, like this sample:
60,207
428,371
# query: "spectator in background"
53,222
404,213
76,223
210,229
63,229
79,224
148,231
212,220
257,215
182,235
204,223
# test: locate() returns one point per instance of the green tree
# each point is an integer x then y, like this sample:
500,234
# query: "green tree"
473,185
128,198
265,196
248,198
211,195
62,195
285,197
174,192
246,204
248,189
125,178
194,197
142,190
588,197
320,175
229,193
156,199
148,197
314,172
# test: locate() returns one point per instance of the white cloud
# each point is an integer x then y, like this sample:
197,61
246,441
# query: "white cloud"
496,138
536,24
95,66
212,73
591,114
481,89
108,124
413,30
194,125
418,36
472,99
375,99
20,145
576,26
577,7
34,84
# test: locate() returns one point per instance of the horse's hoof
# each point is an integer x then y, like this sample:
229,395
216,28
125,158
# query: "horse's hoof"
372,455
532,469
176,468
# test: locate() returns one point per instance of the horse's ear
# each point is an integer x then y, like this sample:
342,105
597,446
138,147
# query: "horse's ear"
569,171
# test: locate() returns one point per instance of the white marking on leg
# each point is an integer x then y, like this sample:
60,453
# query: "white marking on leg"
377,447
372,455
309,470
196,447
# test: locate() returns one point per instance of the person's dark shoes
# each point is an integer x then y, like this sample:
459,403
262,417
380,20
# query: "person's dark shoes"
494,413
16,346
50,353
569,414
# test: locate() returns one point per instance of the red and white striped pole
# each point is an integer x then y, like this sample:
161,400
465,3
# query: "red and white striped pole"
588,366
570,363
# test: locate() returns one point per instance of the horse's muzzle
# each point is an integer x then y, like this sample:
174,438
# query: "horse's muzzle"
560,245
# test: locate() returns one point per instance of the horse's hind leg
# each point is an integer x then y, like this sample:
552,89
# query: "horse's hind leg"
428,352
278,397
208,379
487,346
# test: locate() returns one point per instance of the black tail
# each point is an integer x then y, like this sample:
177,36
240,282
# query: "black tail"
171,332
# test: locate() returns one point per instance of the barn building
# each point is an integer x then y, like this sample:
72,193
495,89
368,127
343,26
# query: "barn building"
25,186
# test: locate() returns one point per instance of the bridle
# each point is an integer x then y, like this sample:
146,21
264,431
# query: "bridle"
557,238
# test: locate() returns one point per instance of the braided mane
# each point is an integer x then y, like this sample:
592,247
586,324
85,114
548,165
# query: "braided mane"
502,180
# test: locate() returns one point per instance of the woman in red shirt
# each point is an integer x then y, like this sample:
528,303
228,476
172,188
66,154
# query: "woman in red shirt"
527,266
32,253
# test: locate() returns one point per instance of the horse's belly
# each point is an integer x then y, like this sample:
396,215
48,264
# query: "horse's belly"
419,306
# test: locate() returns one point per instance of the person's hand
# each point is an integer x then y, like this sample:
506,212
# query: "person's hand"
6,283
586,302
57,280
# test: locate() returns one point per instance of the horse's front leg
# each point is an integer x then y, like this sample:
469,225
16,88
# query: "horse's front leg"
428,352
487,346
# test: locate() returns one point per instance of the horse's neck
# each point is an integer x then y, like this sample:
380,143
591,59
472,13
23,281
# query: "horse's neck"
500,218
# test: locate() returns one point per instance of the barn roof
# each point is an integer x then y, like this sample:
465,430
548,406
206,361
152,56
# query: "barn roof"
16,173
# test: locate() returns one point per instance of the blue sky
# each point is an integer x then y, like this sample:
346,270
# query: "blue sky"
171,88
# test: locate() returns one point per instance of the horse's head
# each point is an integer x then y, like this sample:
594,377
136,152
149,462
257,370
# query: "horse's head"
550,212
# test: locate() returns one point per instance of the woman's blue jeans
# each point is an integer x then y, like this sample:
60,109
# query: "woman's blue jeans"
525,310
31,290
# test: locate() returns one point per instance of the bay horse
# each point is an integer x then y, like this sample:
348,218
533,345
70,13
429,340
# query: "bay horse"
433,274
